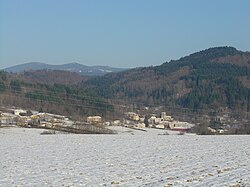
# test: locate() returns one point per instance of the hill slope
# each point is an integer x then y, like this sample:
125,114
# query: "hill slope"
67,99
217,78
72,67
49,77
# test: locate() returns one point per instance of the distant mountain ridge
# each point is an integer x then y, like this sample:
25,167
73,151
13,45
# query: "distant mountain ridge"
72,67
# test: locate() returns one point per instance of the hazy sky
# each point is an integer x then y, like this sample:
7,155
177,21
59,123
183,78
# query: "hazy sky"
128,33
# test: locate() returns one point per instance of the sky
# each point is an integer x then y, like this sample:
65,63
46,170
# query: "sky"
125,33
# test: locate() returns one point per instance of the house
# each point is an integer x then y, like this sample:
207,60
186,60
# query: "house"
19,111
155,120
221,131
8,119
4,120
132,116
180,126
117,122
165,117
140,125
211,130
94,119
160,126
23,121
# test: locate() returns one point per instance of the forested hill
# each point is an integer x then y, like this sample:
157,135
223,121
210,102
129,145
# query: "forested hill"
215,78
52,91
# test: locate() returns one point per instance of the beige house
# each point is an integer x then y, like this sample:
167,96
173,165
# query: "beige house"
132,116
165,117
94,119
140,125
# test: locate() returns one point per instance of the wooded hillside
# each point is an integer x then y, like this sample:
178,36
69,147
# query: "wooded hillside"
216,79
70,100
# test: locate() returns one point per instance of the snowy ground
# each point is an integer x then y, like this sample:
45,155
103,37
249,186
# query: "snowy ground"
129,158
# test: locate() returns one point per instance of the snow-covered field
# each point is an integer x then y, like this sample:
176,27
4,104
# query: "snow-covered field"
129,158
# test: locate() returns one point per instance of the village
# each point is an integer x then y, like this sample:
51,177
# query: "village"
93,124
